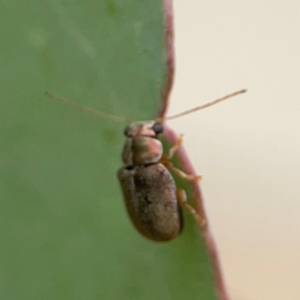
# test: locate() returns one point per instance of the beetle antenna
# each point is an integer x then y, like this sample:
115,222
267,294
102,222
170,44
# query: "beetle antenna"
86,109
203,106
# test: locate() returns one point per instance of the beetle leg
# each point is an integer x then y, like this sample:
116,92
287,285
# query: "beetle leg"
181,197
189,177
175,147
168,164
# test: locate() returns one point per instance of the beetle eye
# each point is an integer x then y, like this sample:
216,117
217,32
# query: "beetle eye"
126,130
158,128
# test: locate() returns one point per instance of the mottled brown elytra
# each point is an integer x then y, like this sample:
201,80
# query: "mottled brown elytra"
152,199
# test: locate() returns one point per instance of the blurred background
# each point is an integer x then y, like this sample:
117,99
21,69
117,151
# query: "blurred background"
247,149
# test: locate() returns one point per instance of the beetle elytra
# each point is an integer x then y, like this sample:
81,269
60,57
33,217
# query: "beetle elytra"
152,199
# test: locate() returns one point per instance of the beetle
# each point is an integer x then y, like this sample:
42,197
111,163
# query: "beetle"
149,190
152,199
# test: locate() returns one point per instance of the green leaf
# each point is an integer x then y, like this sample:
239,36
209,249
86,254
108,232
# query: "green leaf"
64,230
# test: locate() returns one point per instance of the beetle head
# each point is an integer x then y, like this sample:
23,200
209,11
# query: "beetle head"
145,128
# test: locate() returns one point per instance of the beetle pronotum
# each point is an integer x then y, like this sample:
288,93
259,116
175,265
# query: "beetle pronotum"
152,199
